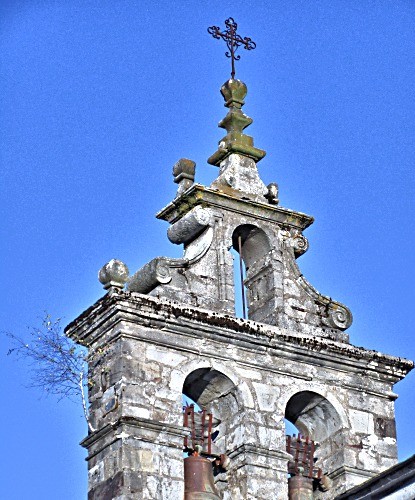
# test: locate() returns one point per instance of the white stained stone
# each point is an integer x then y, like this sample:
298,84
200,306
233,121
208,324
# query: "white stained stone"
152,484
133,411
291,288
266,395
175,468
167,358
372,440
176,380
248,400
96,474
362,421
172,489
240,173
146,460
163,393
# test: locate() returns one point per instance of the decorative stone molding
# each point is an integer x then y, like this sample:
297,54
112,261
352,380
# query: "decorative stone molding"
300,244
136,422
254,450
234,91
190,226
338,315
236,203
153,313
184,175
346,470
154,273
199,247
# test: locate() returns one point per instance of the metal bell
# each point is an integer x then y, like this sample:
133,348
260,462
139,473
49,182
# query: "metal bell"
198,479
300,488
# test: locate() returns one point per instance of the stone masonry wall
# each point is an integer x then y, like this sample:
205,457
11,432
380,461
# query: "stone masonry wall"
149,349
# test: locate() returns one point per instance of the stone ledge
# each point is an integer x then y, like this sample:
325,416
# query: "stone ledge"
346,469
381,485
201,195
258,456
185,320
140,423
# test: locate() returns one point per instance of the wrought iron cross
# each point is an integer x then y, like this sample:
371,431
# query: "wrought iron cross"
232,39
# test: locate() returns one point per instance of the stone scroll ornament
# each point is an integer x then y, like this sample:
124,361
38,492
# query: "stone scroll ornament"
154,273
338,315
195,231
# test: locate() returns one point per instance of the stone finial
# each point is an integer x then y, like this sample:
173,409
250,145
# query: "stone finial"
113,275
184,174
234,91
272,195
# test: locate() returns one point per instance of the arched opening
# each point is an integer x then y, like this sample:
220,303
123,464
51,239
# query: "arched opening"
314,416
214,392
205,386
252,244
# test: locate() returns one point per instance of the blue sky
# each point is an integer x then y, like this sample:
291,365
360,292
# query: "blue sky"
100,99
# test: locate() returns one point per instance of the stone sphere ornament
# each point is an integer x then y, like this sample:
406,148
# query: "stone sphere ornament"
114,274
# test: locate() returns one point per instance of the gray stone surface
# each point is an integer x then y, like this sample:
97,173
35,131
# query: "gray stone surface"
272,239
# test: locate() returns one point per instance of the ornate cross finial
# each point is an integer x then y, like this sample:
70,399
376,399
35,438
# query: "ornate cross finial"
232,39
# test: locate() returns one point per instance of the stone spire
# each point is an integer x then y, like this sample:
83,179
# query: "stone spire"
236,155
234,91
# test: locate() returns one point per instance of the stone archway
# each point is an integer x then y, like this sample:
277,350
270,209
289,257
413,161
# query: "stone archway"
260,282
206,385
316,417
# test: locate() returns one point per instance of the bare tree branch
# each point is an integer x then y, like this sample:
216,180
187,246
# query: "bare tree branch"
58,364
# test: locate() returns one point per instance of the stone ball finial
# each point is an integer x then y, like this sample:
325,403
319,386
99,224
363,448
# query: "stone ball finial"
114,274
234,92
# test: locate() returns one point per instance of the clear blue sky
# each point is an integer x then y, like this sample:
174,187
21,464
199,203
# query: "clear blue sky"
101,98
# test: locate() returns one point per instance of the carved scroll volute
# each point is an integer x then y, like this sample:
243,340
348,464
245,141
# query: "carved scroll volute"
339,316
300,244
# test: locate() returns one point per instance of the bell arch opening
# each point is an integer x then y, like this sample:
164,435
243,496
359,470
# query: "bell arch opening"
313,415
316,417
290,428
214,392
253,245
206,385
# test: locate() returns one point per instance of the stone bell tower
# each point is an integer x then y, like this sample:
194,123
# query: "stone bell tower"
173,331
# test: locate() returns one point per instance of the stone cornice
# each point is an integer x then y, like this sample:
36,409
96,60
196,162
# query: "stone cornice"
140,423
187,321
235,202
381,485
258,456
245,449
